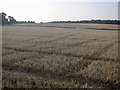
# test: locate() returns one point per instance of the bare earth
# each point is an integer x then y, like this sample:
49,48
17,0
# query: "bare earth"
60,55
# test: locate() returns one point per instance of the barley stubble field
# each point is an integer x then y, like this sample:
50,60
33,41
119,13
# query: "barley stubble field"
60,56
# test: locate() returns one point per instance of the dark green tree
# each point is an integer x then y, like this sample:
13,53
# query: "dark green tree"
11,20
3,19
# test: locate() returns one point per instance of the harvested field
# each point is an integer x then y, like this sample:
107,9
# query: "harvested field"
60,55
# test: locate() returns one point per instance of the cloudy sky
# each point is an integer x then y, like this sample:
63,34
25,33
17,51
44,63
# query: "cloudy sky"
53,10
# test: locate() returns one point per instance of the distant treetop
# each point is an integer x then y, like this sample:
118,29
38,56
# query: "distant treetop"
10,20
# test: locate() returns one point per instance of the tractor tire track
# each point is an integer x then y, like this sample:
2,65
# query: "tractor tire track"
60,53
103,50
94,56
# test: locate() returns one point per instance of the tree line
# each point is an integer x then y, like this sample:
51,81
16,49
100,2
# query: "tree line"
10,20
91,21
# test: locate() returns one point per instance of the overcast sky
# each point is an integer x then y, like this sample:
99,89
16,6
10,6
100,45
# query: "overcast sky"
53,10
